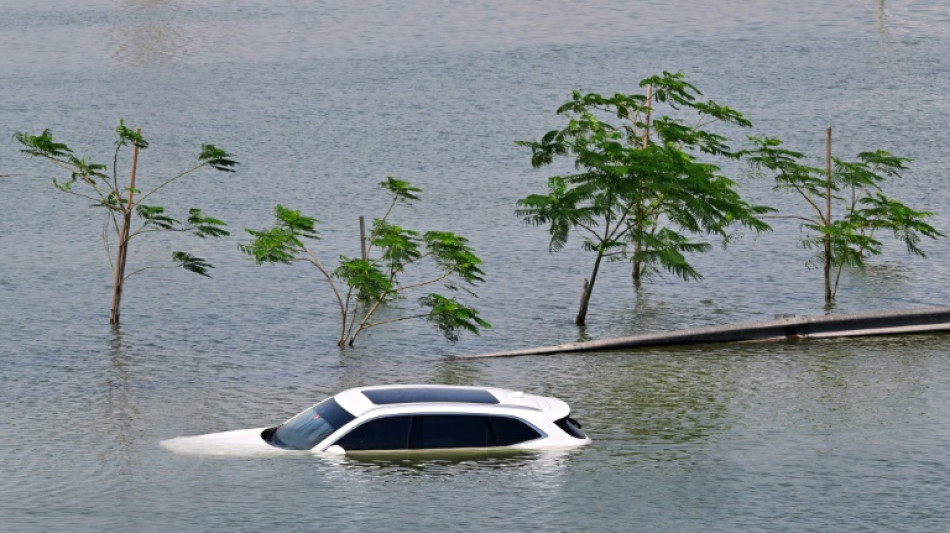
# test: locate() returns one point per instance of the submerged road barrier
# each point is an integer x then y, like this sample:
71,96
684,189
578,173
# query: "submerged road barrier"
925,320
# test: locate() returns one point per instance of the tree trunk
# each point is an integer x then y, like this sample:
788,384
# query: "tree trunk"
637,266
120,268
828,294
588,289
123,250
637,249
637,270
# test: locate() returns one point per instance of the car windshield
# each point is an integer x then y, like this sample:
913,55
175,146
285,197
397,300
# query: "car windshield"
307,429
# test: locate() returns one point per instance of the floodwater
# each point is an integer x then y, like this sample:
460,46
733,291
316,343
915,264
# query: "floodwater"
319,102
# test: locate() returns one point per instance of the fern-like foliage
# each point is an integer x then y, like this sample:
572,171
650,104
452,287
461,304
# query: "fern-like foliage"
644,189
856,192
400,260
103,188
192,263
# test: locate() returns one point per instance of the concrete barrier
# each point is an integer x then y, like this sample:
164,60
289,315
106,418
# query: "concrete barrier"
924,320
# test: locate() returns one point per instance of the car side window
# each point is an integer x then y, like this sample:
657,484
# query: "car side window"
386,433
508,431
448,431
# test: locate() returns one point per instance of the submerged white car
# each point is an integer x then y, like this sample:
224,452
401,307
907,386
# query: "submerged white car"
406,417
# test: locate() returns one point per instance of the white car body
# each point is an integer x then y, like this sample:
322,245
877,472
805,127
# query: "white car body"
422,417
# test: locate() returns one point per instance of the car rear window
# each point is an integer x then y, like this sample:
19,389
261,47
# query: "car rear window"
428,394
571,427
509,431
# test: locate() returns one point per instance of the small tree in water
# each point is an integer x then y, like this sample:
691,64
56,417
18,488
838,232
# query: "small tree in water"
640,192
856,188
363,286
92,181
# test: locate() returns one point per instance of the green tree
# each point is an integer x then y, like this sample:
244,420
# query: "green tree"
93,181
642,191
363,286
856,188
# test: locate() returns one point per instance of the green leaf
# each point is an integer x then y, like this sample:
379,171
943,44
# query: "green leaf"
452,318
790,173
272,245
42,145
453,254
402,191
113,202
907,225
672,89
154,216
192,263
856,184
296,223
667,249
106,190
399,246
281,243
126,136
438,257
204,227
642,185
216,158
369,282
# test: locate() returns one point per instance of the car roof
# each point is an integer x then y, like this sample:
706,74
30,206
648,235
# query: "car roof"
408,398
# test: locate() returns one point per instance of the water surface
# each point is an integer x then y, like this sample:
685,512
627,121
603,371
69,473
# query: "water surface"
319,102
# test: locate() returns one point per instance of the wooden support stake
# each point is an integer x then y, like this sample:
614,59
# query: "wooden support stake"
646,132
828,295
363,239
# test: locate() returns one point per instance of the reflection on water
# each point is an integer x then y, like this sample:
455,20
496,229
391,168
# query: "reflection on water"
447,463
149,44
541,474
661,400
448,372
120,409
160,39
880,17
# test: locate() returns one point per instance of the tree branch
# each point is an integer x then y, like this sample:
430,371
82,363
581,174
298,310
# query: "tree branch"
422,283
391,320
170,180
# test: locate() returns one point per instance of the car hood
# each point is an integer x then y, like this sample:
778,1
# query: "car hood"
242,442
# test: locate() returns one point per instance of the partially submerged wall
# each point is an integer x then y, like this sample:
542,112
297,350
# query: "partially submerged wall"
785,327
